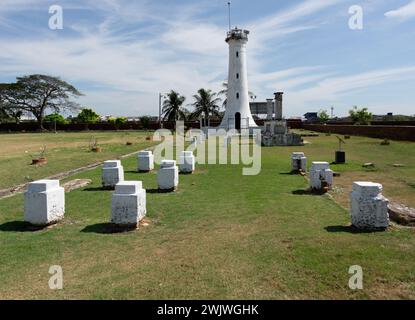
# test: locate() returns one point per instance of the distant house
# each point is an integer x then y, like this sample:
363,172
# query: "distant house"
311,116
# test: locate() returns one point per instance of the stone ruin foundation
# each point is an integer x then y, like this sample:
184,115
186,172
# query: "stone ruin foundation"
168,175
112,174
298,162
321,176
145,161
369,208
128,204
44,203
187,162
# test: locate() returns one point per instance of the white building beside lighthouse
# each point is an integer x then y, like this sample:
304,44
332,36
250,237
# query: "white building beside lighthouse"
238,113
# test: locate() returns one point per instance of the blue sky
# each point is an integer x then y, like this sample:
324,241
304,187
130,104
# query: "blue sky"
121,53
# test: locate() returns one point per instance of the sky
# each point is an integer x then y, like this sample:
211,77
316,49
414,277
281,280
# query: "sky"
120,53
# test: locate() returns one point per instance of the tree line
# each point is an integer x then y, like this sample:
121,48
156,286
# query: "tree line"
38,95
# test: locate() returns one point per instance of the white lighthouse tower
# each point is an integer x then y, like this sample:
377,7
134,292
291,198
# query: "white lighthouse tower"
238,113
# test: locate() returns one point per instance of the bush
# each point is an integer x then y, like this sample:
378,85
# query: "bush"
120,121
112,120
87,116
323,116
360,116
145,122
55,117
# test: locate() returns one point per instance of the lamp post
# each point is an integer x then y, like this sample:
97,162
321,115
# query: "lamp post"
161,96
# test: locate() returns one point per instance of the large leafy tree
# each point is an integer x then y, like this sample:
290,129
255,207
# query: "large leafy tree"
361,116
87,116
173,109
55,118
206,104
38,93
8,111
323,116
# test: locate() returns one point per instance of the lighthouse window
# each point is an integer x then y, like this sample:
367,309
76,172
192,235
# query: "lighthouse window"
237,54
237,76
237,95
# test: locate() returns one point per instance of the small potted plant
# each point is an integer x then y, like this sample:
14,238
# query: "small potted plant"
93,145
385,142
40,158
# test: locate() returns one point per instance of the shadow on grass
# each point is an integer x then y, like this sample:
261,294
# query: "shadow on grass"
107,228
308,192
96,189
350,229
160,191
19,226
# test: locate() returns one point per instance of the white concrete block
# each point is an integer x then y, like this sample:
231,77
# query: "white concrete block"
112,173
168,175
298,162
321,176
44,202
128,204
145,161
369,208
187,162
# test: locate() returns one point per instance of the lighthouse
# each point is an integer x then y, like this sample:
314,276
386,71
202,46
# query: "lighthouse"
238,113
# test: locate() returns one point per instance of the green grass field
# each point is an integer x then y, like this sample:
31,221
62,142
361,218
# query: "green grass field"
65,151
221,236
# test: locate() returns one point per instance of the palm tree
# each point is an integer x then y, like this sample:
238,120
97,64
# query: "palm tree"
206,103
172,107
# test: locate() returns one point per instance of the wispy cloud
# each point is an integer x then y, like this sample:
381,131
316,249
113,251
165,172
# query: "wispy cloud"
287,21
122,53
403,13
339,89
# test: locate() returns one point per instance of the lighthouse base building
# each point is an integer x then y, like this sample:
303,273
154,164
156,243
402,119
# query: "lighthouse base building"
275,132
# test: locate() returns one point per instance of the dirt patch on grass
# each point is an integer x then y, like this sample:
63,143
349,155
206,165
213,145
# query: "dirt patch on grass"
394,188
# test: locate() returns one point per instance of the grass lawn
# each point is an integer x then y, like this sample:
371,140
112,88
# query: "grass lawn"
65,151
398,182
220,236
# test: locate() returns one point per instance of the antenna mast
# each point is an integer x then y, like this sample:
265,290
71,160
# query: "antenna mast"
229,14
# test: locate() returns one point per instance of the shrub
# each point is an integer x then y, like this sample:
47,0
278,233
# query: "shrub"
55,117
87,116
145,122
360,116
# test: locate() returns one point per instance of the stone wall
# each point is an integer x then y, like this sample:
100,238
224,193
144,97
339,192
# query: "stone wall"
377,131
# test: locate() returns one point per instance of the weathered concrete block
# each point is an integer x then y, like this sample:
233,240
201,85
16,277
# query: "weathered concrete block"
298,162
369,208
112,173
168,175
128,204
321,176
44,202
187,162
145,161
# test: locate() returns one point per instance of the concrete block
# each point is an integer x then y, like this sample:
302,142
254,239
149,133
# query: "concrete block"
369,208
112,173
321,176
187,162
168,175
145,161
44,202
128,204
298,162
